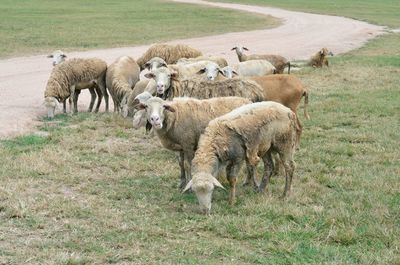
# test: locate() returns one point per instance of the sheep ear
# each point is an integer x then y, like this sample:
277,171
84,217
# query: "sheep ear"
163,65
221,72
150,75
63,55
169,108
146,65
141,106
244,48
188,186
217,183
50,56
174,75
201,71
234,48
234,72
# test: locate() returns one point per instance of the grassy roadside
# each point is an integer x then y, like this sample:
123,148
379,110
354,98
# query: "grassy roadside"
95,191
385,12
38,26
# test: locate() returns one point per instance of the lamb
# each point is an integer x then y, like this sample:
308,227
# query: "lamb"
67,75
169,53
58,57
249,68
218,60
179,123
244,134
122,75
278,61
320,58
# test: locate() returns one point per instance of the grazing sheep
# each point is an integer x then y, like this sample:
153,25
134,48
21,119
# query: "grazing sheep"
154,63
278,61
320,58
169,53
58,57
244,134
179,123
122,75
218,60
67,75
249,68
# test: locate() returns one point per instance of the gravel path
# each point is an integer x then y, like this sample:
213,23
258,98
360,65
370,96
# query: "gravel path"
23,79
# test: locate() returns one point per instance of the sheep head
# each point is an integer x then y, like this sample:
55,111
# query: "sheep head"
325,52
228,71
58,57
50,103
155,108
155,63
203,185
162,76
211,70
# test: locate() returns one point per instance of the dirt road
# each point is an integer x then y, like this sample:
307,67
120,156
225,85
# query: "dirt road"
23,79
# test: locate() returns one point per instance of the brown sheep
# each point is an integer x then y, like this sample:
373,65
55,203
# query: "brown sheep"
169,53
278,61
244,134
320,58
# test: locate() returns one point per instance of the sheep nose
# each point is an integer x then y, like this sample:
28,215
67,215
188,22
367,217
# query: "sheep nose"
155,118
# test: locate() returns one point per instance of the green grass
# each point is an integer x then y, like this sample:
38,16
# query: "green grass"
40,26
94,191
385,12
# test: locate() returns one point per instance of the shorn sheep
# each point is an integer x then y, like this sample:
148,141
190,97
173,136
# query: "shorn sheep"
218,60
245,134
65,76
179,124
278,61
122,75
320,58
249,68
57,57
169,53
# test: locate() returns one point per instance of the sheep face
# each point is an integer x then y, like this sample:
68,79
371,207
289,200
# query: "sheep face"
58,57
155,63
228,72
203,185
162,77
50,103
239,49
211,70
155,108
325,52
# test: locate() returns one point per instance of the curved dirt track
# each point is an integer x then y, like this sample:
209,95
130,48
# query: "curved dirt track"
23,79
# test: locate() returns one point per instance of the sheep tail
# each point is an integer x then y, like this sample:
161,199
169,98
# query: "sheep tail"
305,94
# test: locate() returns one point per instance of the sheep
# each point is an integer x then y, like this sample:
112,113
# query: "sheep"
278,61
218,60
212,72
154,63
189,70
249,68
139,118
169,53
67,75
244,134
58,57
122,75
320,58
144,85
179,124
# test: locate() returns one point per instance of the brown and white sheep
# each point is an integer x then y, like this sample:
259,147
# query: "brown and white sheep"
169,53
278,61
320,58
65,76
218,60
122,75
179,124
245,134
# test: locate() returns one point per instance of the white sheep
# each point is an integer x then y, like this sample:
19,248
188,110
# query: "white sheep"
179,124
67,75
122,75
244,134
248,68
58,57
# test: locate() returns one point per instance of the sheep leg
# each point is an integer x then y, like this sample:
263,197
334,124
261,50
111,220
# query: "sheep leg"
182,166
231,173
251,176
289,169
268,169
92,99
99,97
75,100
65,105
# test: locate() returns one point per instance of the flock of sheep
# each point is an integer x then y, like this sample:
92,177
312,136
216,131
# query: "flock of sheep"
217,116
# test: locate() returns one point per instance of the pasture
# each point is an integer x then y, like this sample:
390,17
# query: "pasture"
87,189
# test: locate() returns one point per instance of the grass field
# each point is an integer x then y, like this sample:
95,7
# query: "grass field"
40,26
385,12
94,191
